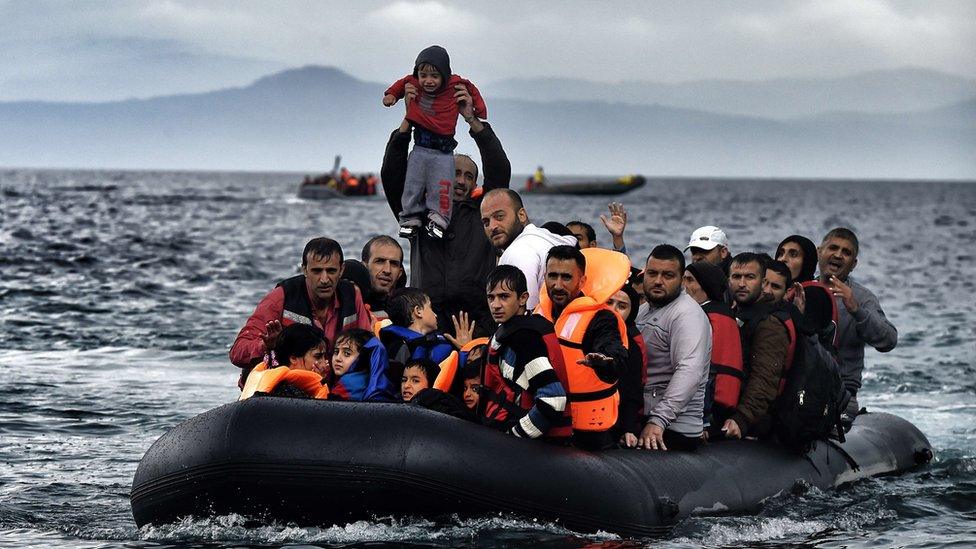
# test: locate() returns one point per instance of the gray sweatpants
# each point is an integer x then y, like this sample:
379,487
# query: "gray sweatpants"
427,188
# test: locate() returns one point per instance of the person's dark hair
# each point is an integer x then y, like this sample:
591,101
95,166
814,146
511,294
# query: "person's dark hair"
428,366
587,228
764,259
378,239
511,276
809,255
781,268
567,253
667,252
711,278
321,247
743,258
296,340
401,304
515,197
846,234
357,336
558,228
357,273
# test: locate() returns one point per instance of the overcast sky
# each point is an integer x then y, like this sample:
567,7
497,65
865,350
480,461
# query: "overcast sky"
104,50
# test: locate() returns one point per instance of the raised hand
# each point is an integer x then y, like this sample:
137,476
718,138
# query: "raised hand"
616,223
463,328
839,289
271,332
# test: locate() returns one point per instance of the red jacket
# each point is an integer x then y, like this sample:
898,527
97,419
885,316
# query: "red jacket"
438,111
248,349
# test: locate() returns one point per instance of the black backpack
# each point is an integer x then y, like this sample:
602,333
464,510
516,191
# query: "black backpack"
810,406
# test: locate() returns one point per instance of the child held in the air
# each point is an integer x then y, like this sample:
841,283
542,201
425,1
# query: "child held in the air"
430,166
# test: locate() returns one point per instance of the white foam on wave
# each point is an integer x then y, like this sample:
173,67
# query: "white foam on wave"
386,529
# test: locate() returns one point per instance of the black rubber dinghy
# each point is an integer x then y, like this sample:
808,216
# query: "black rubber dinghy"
620,185
320,462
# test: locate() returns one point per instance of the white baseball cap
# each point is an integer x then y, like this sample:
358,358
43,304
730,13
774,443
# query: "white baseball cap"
707,238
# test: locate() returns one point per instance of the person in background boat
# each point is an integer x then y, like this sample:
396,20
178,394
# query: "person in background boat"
766,344
427,186
294,368
861,320
522,244
707,285
539,178
592,341
453,270
710,244
630,413
523,391
678,340
418,374
383,257
360,365
317,297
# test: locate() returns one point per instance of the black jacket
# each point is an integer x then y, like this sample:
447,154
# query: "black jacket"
452,271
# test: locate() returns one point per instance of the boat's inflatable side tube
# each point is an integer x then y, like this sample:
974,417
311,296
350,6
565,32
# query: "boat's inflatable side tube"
318,462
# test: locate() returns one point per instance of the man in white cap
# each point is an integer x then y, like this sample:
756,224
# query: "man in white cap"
710,244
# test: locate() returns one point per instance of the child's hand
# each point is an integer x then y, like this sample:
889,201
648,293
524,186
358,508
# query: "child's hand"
463,328
389,100
409,93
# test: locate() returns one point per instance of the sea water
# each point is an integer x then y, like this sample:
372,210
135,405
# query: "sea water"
121,292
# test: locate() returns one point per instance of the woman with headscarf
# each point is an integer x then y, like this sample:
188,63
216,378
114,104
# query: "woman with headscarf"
631,385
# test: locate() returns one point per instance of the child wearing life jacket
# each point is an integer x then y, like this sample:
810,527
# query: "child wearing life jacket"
471,375
360,365
418,375
433,113
294,368
412,333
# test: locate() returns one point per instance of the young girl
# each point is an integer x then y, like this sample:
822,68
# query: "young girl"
360,364
418,375
297,366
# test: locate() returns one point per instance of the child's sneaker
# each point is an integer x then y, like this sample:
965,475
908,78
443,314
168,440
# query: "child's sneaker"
434,230
409,228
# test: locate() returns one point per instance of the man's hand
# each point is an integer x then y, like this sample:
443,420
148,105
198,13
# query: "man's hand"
731,429
628,440
463,99
270,336
463,328
616,223
652,438
595,360
838,288
389,100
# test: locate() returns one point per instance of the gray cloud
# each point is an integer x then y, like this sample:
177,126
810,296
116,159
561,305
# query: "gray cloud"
108,50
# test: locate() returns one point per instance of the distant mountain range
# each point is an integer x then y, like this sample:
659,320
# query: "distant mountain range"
296,120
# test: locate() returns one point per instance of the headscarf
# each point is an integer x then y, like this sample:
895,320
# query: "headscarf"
710,278
809,256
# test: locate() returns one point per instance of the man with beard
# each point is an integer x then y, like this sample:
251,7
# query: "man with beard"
520,243
861,321
452,271
777,280
591,340
765,347
316,297
679,348
383,258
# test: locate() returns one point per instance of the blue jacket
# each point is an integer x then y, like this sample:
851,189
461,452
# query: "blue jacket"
367,380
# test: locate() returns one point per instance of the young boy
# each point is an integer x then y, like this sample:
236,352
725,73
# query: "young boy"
433,114
412,333
419,374
360,364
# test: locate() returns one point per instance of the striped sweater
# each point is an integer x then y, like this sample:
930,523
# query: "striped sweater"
520,352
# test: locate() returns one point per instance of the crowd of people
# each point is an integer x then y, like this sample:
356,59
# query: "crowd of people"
536,331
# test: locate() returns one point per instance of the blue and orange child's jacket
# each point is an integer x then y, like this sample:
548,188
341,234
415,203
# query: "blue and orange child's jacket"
367,380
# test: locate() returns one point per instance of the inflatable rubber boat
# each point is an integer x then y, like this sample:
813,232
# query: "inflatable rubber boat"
619,185
315,462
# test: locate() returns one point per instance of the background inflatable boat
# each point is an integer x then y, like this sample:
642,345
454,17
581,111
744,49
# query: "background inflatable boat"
320,462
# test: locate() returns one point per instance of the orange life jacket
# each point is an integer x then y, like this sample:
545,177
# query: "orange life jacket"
264,380
449,366
593,402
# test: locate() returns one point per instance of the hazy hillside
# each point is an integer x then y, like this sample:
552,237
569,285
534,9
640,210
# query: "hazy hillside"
877,91
298,119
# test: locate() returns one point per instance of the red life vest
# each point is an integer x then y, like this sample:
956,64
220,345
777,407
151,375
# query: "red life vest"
726,364
746,334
